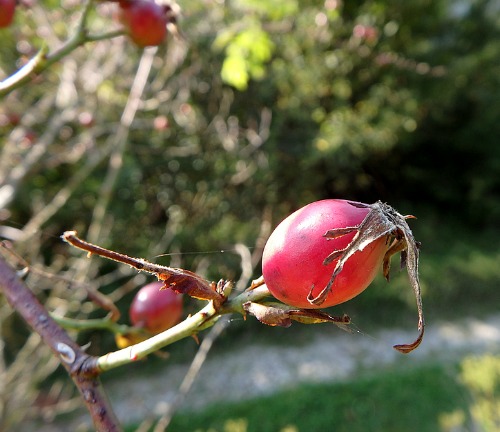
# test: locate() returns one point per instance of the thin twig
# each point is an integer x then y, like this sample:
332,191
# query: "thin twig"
17,173
119,143
105,323
93,294
137,263
25,73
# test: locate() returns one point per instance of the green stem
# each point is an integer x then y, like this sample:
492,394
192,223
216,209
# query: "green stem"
104,36
250,295
93,324
202,320
37,63
188,327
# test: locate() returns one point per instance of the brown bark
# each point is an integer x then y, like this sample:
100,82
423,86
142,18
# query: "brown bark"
81,367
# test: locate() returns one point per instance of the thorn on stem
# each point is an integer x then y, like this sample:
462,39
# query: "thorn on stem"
66,353
133,355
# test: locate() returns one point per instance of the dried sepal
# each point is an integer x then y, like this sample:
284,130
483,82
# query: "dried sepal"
224,287
257,283
315,316
269,315
381,221
193,285
407,348
279,314
370,229
397,246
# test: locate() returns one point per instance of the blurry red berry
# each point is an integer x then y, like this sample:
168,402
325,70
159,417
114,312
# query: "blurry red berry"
365,32
9,119
145,21
30,137
156,309
7,10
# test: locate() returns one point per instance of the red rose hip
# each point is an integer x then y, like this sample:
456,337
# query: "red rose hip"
293,259
156,309
7,10
145,20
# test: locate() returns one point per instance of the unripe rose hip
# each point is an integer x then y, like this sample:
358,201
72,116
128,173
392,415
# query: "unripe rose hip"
156,309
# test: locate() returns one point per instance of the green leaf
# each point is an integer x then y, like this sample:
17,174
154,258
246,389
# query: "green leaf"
273,9
246,55
234,72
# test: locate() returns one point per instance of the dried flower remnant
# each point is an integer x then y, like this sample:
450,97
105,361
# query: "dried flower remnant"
381,221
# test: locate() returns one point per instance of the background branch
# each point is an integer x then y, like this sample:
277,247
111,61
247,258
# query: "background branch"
119,141
76,362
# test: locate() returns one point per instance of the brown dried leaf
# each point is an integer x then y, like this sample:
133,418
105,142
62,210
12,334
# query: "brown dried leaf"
192,285
269,315
279,314
314,316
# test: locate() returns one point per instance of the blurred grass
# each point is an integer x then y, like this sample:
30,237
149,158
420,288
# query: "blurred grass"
425,399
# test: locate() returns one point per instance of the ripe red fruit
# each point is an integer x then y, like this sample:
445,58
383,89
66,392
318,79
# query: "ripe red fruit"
145,21
7,10
292,263
156,309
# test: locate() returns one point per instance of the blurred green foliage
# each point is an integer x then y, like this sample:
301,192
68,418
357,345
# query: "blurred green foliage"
481,375
254,109
281,103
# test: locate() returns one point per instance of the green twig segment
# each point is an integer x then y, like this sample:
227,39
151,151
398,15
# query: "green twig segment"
192,325
94,324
